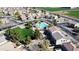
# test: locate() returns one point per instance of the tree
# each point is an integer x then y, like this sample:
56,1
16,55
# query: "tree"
17,13
19,35
18,16
28,25
50,25
55,22
3,13
8,14
11,35
28,39
35,17
18,43
37,34
44,45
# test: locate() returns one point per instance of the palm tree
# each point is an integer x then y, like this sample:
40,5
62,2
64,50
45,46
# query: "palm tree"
18,16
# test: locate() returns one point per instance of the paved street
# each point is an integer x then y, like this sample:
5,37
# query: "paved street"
69,32
68,35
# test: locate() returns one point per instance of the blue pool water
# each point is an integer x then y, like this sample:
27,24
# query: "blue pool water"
42,25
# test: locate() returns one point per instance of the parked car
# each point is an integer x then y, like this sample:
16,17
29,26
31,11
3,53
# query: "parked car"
70,25
75,30
74,33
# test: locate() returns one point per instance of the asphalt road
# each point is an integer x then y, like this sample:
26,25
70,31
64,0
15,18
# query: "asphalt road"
69,31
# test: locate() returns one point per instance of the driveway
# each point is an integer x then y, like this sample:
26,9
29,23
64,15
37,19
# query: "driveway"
9,46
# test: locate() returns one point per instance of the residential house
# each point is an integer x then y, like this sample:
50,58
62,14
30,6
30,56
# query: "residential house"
61,20
57,37
4,21
70,47
67,47
77,25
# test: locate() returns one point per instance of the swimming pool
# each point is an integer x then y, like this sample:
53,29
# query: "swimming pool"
42,25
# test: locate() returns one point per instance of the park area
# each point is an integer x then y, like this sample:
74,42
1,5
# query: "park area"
20,35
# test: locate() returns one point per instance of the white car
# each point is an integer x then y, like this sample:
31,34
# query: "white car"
19,21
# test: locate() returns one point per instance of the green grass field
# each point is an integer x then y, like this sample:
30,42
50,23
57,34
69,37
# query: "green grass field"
70,13
22,34
73,14
53,8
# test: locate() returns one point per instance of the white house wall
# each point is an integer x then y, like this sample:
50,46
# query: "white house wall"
60,20
61,41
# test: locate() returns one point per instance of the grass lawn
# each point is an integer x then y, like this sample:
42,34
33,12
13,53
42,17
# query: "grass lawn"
53,8
73,14
22,34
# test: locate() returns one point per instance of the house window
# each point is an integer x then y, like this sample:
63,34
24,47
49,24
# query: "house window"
62,41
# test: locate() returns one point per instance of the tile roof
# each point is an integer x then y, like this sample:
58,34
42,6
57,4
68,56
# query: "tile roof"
52,29
68,46
57,35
